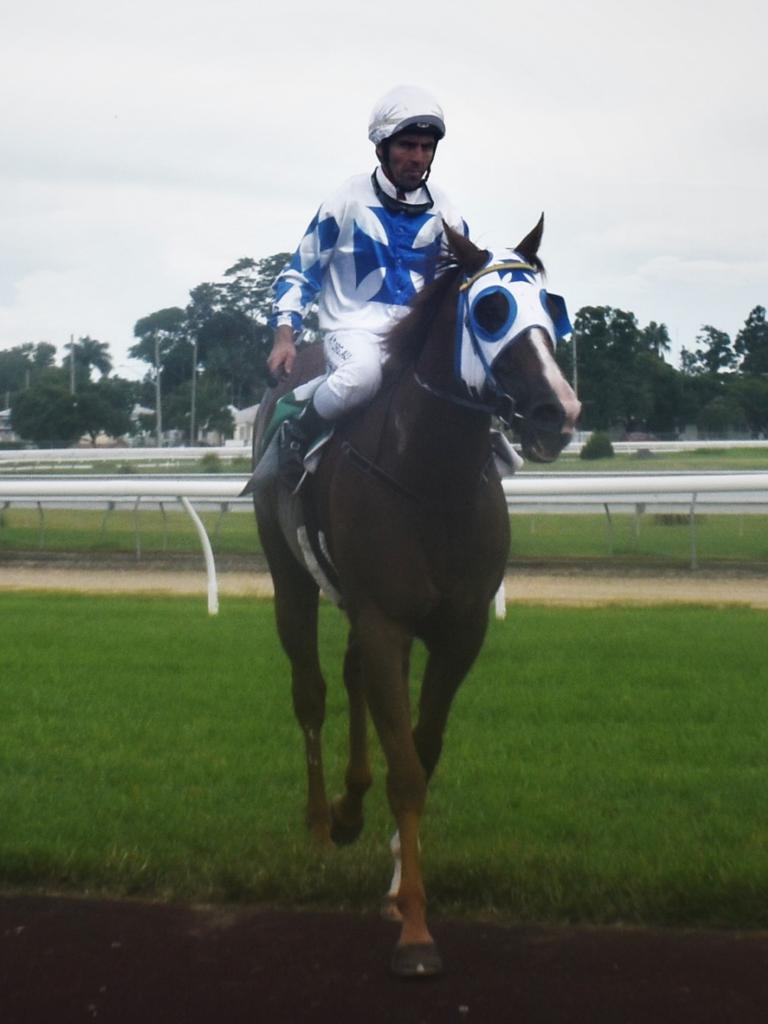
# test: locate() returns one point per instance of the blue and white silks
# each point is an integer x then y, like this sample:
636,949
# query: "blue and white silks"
361,262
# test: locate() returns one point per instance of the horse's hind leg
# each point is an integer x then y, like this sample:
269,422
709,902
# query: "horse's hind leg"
347,809
296,607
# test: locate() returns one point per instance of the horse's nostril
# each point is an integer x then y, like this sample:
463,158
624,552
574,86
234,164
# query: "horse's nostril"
547,416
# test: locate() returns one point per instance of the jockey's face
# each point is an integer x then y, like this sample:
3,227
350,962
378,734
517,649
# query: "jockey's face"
410,157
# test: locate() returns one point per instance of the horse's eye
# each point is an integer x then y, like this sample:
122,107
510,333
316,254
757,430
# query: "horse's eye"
493,313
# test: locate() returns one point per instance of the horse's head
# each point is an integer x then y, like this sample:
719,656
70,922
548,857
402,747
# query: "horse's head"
507,326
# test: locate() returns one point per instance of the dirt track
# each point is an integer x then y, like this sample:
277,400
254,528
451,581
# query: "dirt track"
65,961
552,587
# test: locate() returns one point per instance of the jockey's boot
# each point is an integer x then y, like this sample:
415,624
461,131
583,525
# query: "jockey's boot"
296,435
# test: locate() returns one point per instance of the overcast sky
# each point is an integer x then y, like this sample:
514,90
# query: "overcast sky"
146,146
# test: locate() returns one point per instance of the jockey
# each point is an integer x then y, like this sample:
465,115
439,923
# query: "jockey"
371,246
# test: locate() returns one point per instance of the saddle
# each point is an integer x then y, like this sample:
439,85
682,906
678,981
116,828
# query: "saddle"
296,511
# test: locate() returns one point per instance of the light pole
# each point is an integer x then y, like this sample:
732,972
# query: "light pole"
71,364
158,402
194,393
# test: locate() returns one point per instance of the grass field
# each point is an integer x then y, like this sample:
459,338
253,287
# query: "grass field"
121,530
666,539
600,765
535,536
698,460
719,537
209,463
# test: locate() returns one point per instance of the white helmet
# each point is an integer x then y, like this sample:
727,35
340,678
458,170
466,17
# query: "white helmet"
405,106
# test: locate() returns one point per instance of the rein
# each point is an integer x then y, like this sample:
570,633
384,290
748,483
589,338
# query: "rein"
368,467
470,403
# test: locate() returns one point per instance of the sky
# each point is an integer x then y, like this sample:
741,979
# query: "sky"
146,146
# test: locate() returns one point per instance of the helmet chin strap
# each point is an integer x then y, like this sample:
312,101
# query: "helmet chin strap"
382,153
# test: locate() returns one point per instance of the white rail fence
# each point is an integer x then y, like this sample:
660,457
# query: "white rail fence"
51,457
692,491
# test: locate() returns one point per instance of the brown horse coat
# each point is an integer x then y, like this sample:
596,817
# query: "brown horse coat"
414,517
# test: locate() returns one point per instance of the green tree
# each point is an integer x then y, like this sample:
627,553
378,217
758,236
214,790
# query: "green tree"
15,370
164,343
714,353
663,384
655,337
47,412
608,343
751,395
43,355
104,407
216,346
212,410
233,350
89,354
230,321
718,417
698,390
752,343
20,366
248,286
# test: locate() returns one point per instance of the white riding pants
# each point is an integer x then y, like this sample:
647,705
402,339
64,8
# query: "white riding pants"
354,360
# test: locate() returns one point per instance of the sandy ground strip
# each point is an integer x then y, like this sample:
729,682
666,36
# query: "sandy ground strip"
589,590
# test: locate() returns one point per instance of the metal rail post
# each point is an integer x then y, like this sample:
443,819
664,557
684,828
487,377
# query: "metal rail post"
210,564
609,521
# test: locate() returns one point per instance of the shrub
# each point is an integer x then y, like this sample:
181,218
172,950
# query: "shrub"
597,447
211,463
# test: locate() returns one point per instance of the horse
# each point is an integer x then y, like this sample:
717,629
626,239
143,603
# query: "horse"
409,506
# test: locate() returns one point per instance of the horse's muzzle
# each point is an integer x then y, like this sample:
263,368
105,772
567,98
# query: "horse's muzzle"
547,428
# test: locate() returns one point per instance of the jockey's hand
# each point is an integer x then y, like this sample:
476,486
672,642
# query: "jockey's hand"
281,359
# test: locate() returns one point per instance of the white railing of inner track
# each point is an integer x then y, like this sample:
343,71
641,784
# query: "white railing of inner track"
602,488
81,456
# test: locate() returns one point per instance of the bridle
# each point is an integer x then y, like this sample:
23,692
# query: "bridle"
502,403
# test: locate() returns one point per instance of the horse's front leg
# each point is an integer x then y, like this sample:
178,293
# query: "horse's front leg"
384,647
452,652
452,649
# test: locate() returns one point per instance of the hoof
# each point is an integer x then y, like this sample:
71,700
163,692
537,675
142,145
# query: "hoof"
342,833
420,960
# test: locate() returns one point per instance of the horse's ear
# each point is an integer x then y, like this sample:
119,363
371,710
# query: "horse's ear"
529,247
469,257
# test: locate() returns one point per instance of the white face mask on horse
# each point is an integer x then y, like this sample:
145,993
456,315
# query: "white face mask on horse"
497,305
